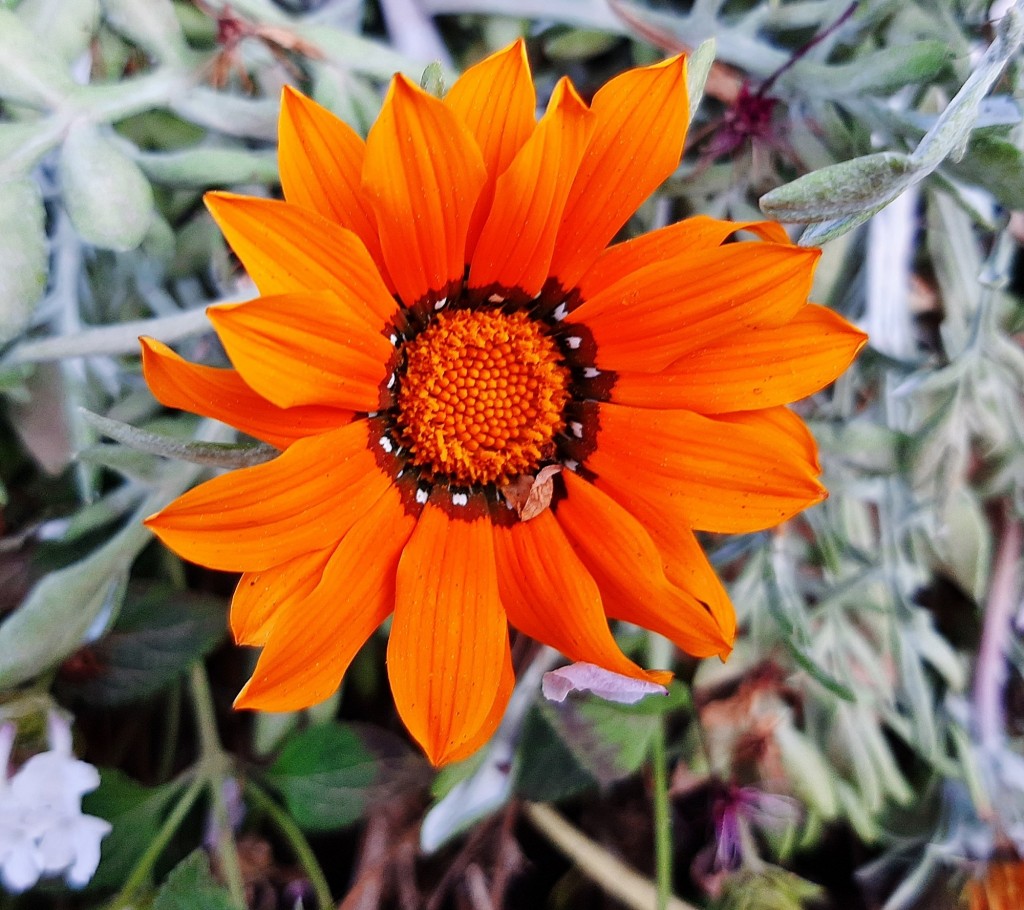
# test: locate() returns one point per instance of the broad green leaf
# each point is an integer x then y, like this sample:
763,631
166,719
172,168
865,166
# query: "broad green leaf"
950,134
606,741
159,633
29,74
135,812
810,773
766,887
331,775
994,162
23,144
67,26
547,769
204,167
108,198
191,886
24,254
578,44
841,190
151,25
52,621
881,72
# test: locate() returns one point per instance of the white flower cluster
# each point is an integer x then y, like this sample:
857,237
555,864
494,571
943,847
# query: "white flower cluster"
42,829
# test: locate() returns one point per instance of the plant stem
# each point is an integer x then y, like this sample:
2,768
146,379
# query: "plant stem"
594,861
662,816
144,866
296,840
216,765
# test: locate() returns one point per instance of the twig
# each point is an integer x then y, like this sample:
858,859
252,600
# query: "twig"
594,861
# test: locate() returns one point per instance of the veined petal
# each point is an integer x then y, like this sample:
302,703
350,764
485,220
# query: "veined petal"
681,239
449,635
285,248
549,595
224,395
752,369
653,317
259,517
515,246
630,571
423,175
642,117
320,158
497,712
314,638
734,475
260,597
496,100
306,349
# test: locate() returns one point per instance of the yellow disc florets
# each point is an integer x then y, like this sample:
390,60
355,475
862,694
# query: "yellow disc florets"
482,396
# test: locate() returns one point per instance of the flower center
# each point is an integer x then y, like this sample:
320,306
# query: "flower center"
481,397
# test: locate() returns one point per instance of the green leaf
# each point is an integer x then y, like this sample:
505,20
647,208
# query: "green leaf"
159,633
698,66
881,72
330,775
52,621
547,769
578,44
432,80
152,25
211,454
191,886
840,190
586,739
108,198
995,163
29,74
67,26
135,812
766,888
24,255
202,167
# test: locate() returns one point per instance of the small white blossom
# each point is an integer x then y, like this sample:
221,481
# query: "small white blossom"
42,829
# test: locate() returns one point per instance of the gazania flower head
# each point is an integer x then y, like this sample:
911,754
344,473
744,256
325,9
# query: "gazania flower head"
487,415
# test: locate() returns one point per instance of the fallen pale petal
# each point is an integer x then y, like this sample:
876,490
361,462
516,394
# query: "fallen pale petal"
584,677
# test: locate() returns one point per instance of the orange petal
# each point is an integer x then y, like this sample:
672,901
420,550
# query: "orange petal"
423,175
223,395
517,240
449,635
305,349
549,595
313,639
320,158
259,517
753,369
261,596
681,239
653,317
642,117
495,99
285,248
630,571
497,713
735,475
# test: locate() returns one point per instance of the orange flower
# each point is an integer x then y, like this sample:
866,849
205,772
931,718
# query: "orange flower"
999,887
440,322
